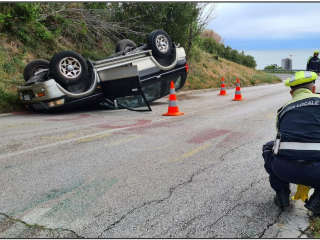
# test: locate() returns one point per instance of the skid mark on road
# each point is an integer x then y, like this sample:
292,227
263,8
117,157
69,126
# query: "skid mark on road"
94,138
233,137
82,116
131,138
145,129
192,152
139,122
61,142
206,135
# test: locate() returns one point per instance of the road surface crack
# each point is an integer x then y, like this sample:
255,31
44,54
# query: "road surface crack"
270,224
172,189
40,226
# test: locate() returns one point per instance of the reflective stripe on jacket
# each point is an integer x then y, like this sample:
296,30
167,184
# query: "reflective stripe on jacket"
298,123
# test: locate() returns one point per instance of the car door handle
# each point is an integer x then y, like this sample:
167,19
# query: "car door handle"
159,76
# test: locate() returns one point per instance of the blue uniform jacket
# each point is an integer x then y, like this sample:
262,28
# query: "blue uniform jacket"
299,122
313,64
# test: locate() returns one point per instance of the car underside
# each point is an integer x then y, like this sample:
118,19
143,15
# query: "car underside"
131,78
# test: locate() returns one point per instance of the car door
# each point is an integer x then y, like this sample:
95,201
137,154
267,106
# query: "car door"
121,85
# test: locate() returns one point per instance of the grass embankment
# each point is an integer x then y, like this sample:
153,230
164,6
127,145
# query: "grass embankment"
205,71
15,55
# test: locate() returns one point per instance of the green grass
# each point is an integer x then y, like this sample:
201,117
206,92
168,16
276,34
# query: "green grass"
9,101
315,227
205,73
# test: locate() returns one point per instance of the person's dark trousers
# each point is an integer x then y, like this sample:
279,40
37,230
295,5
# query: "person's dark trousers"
282,172
276,182
301,172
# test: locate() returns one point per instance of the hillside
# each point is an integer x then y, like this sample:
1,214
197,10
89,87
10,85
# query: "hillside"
204,70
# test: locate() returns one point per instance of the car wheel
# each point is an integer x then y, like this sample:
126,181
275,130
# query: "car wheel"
34,67
160,43
125,44
68,68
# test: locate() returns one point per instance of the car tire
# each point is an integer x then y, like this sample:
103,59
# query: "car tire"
33,67
68,68
160,43
125,44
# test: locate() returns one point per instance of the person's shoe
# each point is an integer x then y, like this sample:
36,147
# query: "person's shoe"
313,203
281,199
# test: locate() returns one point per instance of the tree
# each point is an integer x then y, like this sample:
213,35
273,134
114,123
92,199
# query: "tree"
235,56
204,13
272,66
227,52
212,34
172,17
93,21
249,61
17,13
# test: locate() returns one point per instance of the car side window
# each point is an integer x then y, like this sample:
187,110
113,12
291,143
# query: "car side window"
152,91
176,78
133,102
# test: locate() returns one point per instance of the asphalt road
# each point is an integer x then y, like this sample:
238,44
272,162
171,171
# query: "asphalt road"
124,174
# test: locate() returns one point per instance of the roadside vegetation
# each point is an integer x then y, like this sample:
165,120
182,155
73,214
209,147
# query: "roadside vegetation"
36,30
315,227
274,68
39,30
206,71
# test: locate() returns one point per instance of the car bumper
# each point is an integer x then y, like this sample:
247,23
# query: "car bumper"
46,96
39,92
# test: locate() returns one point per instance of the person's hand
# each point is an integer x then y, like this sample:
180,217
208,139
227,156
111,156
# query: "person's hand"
318,74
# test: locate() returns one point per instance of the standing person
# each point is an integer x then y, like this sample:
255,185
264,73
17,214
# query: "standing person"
313,63
296,151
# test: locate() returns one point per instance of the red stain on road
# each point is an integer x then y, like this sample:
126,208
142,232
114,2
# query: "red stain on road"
231,139
206,135
144,128
140,122
80,117
24,113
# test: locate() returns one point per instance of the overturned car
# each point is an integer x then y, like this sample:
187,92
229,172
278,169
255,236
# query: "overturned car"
131,78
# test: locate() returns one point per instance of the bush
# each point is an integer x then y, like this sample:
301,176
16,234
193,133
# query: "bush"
13,14
196,54
209,45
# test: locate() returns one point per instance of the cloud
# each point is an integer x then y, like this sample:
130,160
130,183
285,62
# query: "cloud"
263,21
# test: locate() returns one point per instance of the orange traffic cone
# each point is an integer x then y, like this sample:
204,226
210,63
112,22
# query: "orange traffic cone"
173,109
223,88
238,96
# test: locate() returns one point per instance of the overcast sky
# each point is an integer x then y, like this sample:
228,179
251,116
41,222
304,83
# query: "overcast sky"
252,26
270,31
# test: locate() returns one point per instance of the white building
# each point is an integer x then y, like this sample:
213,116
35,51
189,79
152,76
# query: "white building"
286,64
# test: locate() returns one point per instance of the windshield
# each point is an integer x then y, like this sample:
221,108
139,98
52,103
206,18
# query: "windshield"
133,102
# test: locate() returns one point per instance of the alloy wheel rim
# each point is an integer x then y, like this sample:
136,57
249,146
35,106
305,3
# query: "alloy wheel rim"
162,43
70,67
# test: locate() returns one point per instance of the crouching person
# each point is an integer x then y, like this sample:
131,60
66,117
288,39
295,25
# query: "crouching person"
294,157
